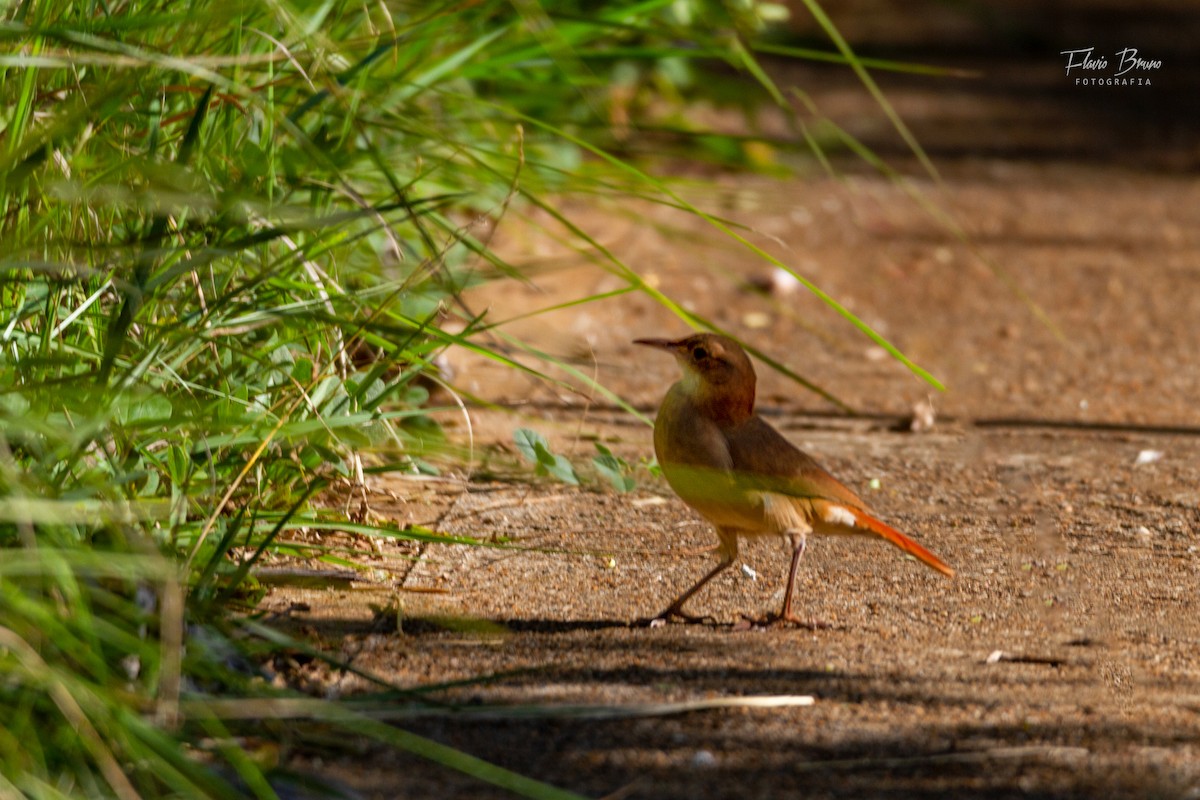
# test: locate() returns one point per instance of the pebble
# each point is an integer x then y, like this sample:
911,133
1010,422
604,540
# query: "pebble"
756,320
1148,457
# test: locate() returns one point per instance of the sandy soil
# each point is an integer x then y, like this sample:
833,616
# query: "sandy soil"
1062,480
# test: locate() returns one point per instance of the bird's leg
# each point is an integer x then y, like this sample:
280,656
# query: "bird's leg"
676,608
799,540
728,550
799,545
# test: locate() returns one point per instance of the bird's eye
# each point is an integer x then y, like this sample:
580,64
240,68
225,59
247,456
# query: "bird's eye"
699,354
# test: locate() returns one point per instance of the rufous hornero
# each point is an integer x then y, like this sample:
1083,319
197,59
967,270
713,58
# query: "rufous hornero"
745,478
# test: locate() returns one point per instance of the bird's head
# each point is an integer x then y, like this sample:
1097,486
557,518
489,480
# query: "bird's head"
717,373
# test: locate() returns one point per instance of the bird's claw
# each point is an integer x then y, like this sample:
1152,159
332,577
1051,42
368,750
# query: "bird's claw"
674,613
781,621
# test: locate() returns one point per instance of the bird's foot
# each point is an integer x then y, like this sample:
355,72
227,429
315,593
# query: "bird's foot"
800,622
786,619
781,621
677,614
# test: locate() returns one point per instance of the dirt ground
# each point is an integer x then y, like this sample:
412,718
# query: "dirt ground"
1062,480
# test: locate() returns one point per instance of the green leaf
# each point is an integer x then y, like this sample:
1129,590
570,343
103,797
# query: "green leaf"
302,370
142,409
534,447
614,468
556,465
527,441
13,404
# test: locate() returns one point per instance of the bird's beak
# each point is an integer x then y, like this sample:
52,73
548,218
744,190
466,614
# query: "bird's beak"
659,344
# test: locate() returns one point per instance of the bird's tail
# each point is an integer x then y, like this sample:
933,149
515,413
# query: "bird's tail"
897,538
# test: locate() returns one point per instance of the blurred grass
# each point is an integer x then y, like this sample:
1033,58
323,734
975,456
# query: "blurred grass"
234,237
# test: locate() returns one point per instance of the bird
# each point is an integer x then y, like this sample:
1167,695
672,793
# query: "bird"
742,475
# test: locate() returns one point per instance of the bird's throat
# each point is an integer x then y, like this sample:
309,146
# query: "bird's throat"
726,404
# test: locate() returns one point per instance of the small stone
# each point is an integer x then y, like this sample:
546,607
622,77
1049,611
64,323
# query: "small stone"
756,320
783,283
1148,457
923,416
875,353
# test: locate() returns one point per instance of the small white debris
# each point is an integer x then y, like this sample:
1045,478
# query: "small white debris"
783,282
704,758
923,416
1148,457
777,283
1143,532
995,657
756,320
874,484
749,572
653,500
657,623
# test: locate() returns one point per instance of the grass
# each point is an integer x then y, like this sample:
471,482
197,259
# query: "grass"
235,238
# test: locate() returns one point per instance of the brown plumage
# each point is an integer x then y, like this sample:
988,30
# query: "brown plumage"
726,462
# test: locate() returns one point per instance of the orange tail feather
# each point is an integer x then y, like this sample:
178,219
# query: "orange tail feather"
903,542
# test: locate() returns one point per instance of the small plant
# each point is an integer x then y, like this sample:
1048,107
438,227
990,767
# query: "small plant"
614,468
606,464
534,447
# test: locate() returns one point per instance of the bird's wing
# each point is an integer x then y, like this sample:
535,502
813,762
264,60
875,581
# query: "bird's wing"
762,456
798,494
